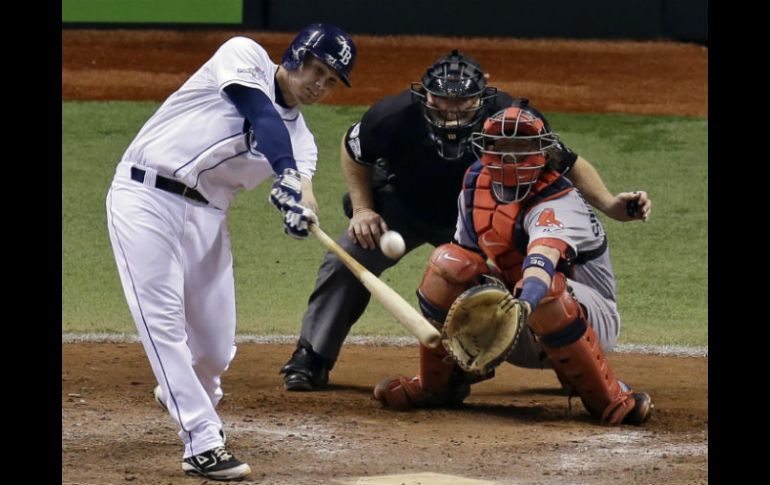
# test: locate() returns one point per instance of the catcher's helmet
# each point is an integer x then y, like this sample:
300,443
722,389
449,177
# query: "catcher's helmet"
328,43
453,94
513,146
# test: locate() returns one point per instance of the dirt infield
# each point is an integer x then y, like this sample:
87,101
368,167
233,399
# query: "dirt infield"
513,429
572,76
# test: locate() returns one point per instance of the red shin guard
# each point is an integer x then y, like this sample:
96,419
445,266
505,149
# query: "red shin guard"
575,352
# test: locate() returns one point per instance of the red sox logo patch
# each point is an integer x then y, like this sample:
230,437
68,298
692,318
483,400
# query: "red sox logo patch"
548,220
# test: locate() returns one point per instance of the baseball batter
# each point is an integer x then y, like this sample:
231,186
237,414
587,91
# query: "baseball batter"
233,124
547,245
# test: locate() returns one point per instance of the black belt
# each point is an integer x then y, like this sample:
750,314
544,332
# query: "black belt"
169,185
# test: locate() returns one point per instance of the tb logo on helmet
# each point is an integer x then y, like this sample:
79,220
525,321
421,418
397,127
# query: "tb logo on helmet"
346,53
327,43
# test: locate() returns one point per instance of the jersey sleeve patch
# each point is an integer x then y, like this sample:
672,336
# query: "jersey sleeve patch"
243,61
254,72
354,142
548,221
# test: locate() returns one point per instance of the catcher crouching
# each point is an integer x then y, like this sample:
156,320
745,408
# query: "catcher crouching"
528,280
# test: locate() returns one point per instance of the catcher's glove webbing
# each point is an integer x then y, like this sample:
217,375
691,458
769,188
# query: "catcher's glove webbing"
482,326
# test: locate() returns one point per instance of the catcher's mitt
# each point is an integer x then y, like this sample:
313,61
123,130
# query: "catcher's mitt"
482,326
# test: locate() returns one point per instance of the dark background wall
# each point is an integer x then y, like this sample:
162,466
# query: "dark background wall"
680,20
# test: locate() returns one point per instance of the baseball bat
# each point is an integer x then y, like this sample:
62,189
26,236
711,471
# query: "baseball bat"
392,301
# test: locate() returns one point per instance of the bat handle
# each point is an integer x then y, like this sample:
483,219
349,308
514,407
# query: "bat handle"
314,228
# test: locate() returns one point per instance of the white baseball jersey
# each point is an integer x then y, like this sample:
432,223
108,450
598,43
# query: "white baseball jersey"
570,219
173,253
197,136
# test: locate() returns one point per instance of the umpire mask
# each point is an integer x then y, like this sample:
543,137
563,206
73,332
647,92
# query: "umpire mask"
453,94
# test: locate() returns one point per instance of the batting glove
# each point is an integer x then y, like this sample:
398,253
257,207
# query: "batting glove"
285,196
296,221
286,191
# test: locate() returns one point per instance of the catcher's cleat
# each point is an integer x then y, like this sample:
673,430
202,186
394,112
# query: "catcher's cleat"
403,394
216,464
305,371
642,410
398,394
628,408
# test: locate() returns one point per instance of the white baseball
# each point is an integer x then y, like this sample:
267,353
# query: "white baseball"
392,245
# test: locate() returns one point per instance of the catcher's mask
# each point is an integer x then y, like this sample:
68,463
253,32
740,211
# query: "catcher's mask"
513,146
328,43
453,94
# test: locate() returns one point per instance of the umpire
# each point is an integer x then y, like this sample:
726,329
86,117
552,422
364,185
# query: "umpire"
404,164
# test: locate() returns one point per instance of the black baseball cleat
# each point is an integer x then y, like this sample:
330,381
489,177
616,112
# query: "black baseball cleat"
305,371
216,464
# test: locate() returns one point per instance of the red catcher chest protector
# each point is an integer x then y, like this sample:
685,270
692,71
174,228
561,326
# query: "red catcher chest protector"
499,226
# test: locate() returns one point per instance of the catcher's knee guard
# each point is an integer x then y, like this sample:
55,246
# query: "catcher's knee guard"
575,352
451,270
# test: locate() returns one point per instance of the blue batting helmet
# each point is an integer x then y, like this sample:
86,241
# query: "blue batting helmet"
328,43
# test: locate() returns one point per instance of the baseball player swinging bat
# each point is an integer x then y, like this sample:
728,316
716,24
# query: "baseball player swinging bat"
392,301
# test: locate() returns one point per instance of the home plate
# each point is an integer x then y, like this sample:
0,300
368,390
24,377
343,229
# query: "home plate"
413,479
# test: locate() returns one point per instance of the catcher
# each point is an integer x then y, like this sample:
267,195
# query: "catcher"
545,300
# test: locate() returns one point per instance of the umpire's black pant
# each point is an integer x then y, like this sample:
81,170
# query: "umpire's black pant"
339,299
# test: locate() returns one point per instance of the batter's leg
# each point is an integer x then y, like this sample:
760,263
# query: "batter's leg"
209,298
146,227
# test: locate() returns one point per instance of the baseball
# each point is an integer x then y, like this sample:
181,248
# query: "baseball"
392,245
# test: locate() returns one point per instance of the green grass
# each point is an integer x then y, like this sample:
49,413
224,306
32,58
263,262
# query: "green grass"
661,266
158,11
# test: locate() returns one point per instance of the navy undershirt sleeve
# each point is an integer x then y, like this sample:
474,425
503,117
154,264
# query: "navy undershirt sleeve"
270,133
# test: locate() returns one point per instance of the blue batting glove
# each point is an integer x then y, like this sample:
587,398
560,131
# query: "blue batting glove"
287,190
296,221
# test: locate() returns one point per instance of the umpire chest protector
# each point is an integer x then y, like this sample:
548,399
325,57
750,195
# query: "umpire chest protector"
499,227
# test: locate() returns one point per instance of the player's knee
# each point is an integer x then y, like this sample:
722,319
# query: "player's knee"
558,310
451,270
211,363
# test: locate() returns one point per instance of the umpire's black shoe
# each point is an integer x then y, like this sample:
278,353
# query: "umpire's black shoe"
305,371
